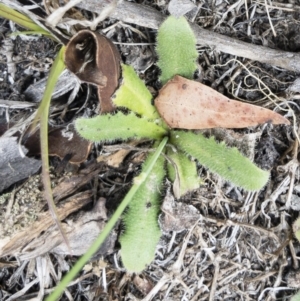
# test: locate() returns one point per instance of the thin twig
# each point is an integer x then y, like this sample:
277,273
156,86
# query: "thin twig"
145,16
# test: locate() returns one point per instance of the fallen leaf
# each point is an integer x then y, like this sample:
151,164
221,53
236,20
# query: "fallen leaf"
117,158
176,216
63,142
143,283
187,104
95,59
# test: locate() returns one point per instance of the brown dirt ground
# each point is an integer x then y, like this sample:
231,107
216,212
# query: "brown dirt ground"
240,247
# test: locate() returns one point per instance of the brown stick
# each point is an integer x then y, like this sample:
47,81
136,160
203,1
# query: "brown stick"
148,17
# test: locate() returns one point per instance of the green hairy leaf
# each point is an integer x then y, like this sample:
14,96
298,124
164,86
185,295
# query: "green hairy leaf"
134,95
109,127
296,228
296,297
176,49
229,163
142,233
184,174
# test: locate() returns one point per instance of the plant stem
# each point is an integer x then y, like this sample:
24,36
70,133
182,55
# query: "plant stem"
109,226
42,114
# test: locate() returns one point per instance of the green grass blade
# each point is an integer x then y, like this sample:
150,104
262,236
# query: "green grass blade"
20,19
229,163
42,114
107,128
109,226
56,69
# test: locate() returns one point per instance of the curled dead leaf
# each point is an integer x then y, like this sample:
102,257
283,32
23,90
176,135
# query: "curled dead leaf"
96,60
63,142
187,104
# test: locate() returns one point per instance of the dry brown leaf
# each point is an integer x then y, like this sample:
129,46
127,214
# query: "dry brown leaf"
187,104
176,216
117,158
63,142
114,159
143,283
96,60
